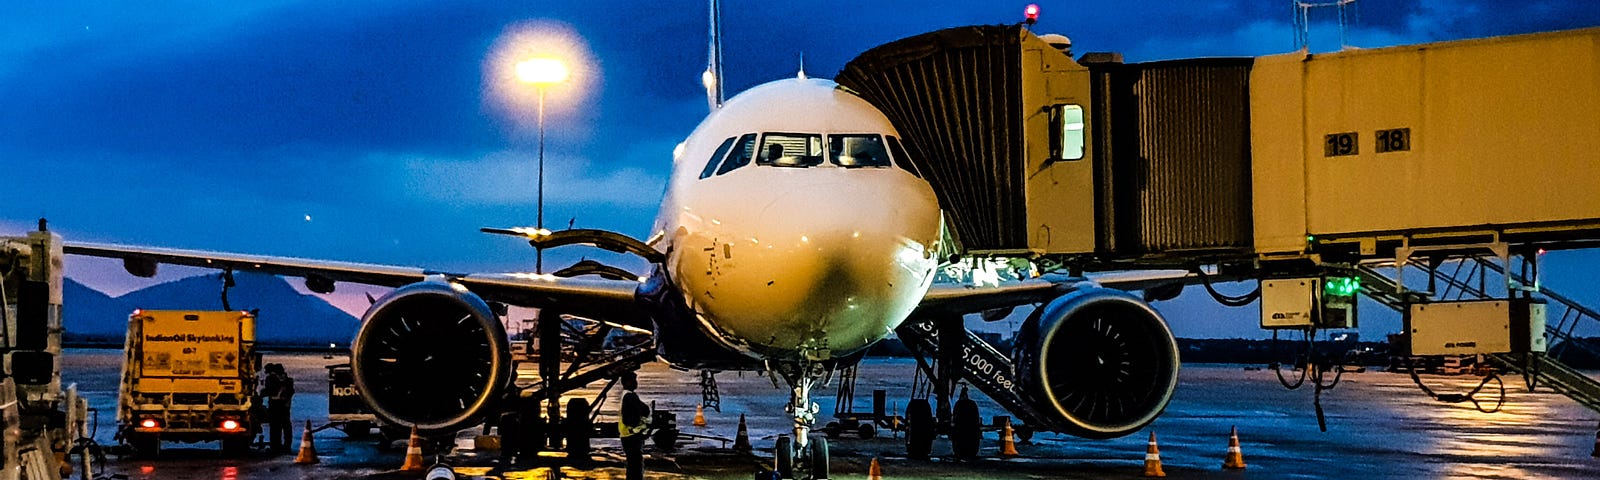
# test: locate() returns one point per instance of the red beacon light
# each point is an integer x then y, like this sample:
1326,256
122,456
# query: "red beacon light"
1031,13
149,423
230,424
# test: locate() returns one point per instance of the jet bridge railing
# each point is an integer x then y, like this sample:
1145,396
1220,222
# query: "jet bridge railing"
1474,283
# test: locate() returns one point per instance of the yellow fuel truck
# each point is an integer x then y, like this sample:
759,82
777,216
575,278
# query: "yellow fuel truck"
189,376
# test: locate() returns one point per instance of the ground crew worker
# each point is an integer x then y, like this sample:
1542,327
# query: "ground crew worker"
632,426
278,388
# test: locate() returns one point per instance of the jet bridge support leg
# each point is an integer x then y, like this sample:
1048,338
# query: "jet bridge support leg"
550,369
949,361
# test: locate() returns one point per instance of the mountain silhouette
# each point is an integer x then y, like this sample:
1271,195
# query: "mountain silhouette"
286,316
86,311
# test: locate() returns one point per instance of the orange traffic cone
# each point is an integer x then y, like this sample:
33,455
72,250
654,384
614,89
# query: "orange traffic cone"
874,472
1235,458
699,415
1008,444
308,452
741,441
1152,459
413,453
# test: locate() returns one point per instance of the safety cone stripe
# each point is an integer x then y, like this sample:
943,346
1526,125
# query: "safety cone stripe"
1152,457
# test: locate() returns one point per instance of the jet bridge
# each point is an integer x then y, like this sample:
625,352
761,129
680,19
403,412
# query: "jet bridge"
1295,169
1352,155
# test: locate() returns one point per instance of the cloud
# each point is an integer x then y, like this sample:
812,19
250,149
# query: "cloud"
511,178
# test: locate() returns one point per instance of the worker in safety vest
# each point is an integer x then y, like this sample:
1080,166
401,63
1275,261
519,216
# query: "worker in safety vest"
634,423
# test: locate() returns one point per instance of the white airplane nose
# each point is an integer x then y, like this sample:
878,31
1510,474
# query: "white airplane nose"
835,269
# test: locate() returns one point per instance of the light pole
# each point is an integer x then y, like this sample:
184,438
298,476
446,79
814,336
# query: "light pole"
542,72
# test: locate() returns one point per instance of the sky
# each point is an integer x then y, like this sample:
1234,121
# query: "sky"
380,131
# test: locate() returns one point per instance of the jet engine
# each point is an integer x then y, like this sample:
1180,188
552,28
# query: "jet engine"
1100,362
433,355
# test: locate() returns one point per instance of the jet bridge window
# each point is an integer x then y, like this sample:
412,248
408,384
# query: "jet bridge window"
1066,132
901,158
741,154
791,150
857,150
716,158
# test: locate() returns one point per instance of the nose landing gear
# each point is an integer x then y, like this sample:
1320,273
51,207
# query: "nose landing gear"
801,456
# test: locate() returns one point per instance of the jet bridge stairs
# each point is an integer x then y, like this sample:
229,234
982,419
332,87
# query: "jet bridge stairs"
1470,278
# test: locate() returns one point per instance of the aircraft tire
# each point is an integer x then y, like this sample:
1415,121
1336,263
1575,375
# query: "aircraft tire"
783,457
919,429
819,458
578,429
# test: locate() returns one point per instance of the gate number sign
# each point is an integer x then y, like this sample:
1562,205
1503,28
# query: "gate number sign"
1348,143
1340,144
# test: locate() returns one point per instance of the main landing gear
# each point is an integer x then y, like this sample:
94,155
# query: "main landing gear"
801,456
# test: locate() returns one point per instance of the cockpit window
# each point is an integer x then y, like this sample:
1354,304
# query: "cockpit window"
857,150
791,150
741,154
901,158
716,158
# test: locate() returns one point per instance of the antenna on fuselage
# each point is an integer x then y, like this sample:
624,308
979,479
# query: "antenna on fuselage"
712,77
802,74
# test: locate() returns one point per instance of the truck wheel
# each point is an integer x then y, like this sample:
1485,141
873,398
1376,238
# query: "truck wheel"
831,429
357,430
867,431
578,429
145,445
666,439
236,445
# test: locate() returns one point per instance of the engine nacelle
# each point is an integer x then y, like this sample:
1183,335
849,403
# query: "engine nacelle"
431,355
1101,362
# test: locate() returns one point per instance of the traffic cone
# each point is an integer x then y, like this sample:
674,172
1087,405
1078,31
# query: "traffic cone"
1596,443
1008,445
1235,459
741,441
308,452
874,472
413,453
1152,459
699,415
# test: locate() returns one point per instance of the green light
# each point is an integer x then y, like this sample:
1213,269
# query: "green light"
1311,239
1341,286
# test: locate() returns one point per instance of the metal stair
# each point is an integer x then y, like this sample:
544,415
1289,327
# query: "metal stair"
998,382
1471,284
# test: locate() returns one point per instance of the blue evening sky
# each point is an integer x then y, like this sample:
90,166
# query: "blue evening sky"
377,131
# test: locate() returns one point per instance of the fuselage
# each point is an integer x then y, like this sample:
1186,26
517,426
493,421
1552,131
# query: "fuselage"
794,228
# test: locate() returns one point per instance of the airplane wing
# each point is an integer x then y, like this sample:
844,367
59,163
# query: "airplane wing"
961,298
586,297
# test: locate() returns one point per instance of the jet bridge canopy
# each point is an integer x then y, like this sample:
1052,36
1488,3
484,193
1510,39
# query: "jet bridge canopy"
1032,152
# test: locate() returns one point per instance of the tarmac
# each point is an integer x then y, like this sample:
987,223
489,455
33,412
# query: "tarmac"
1379,425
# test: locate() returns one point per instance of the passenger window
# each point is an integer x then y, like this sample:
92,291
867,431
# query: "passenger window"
857,150
791,150
716,158
1067,135
741,154
901,158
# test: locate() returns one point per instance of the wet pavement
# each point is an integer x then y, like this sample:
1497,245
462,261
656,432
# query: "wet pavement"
1379,426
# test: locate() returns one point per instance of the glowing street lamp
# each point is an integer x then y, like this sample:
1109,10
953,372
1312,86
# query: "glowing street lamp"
542,72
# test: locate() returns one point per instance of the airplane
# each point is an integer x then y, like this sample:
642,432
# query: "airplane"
794,234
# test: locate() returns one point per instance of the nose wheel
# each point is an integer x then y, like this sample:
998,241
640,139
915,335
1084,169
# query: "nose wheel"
801,462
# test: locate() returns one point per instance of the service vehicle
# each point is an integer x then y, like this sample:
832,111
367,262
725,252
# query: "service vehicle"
189,376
